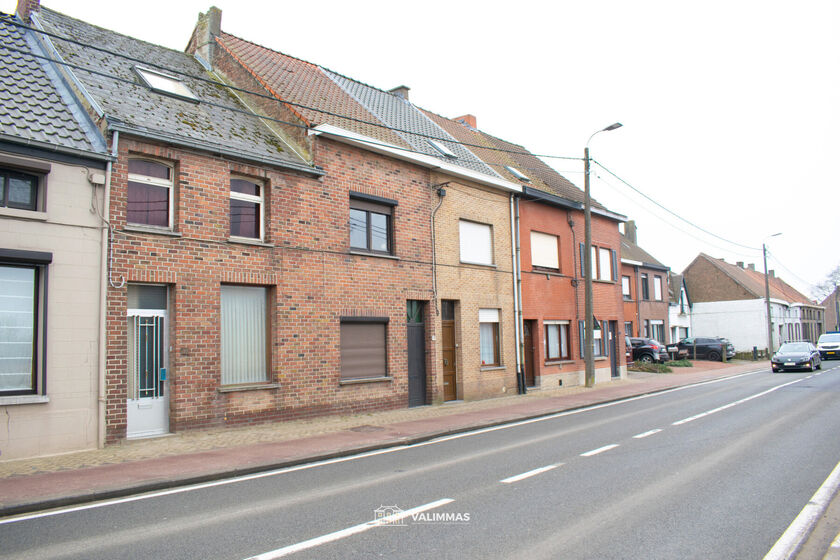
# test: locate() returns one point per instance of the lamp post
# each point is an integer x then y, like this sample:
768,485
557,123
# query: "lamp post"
589,359
767,295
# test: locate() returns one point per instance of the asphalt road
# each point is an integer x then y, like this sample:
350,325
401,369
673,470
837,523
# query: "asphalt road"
718,470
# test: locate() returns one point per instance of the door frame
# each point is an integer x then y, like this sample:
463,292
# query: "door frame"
530,354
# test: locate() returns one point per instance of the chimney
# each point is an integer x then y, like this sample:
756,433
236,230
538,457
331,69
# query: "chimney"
771,273
208,27
400,91
740,264
751,266
468,120
27,7
630,231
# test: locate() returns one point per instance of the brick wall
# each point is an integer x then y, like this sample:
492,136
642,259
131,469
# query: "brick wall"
312,278
706,282
560,295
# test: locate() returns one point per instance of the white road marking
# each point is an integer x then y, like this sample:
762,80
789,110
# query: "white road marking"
599,450
285,470
792,540
529,474
835,544
646,434
730,405
323,539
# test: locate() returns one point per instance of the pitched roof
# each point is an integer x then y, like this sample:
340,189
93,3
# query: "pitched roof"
219,122
35,106
675,284
753,281
633,252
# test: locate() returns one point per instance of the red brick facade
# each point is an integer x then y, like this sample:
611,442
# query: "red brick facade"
312,278
558,295
640,310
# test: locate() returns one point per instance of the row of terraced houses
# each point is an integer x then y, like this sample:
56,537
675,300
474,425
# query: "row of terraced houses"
231,235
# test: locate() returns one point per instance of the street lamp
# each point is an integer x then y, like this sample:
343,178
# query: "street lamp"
588,358
767,295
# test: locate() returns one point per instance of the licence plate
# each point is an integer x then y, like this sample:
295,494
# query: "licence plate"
831,352
790,364
672,349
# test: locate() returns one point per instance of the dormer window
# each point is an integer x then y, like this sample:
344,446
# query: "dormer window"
442,149
163,83
518,174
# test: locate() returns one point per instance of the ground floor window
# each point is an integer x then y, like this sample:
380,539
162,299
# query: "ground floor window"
244,334
557,340
628,328
364,347
657,330
599,348
22,321
488,331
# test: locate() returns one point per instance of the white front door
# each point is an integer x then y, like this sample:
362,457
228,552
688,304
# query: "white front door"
148,387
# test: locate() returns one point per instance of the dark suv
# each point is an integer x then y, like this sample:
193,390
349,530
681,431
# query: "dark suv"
648,350
707,348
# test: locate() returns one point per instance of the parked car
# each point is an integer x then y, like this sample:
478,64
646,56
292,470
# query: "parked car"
648,350
829,346
796,355
707,348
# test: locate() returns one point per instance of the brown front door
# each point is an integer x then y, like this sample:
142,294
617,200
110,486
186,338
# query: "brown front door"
530,379
450,373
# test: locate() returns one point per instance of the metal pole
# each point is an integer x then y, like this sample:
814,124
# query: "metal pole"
587,274
767,300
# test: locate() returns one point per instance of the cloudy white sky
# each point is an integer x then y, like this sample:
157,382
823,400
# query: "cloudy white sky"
730,108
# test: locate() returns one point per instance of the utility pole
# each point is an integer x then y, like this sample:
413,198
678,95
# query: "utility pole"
767,300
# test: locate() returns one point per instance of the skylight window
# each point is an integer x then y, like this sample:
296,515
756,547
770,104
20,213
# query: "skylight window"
442,149
165,84
518,174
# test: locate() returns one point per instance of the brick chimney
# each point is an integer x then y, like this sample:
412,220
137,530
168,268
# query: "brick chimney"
27,7
751,266
740,264
771,273
203,42
468,120
630,230
400,91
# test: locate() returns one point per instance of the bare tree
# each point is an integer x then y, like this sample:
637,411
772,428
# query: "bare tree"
827,286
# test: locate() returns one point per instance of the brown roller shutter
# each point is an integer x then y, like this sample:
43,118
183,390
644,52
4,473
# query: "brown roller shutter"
363,350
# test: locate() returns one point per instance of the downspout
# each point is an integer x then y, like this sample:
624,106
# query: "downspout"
517,310
639,301
104,282
441,192
571,223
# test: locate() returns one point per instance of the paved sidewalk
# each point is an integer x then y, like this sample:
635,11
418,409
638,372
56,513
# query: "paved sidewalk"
153,464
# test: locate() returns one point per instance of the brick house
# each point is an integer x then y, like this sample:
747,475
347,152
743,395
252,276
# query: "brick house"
52,170
466,229
644,288
831,304
729,301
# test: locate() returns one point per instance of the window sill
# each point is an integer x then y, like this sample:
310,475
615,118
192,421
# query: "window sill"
604,281
249,241
361,253
24,214
600,358
24,399
558,362
153,230
547,271
363,380
254,387
482,265
491,368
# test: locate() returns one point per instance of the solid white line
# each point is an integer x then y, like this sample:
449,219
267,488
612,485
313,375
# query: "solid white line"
835,544
730,405
792,540
529,474
599,450
646,434
323,539
285,470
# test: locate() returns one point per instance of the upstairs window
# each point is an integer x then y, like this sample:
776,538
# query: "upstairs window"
604,263
645,288
625,288
476,241
18,190
544,250
149,193
246,208
657,288
371,225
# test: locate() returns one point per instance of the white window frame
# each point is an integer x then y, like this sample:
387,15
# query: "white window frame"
470,235
156,182
625,288
261,365
604,264
657,288
253,199
491,317
545,252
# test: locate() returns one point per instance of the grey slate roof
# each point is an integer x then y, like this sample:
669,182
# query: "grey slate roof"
633,252
398,113
219,123
36,108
